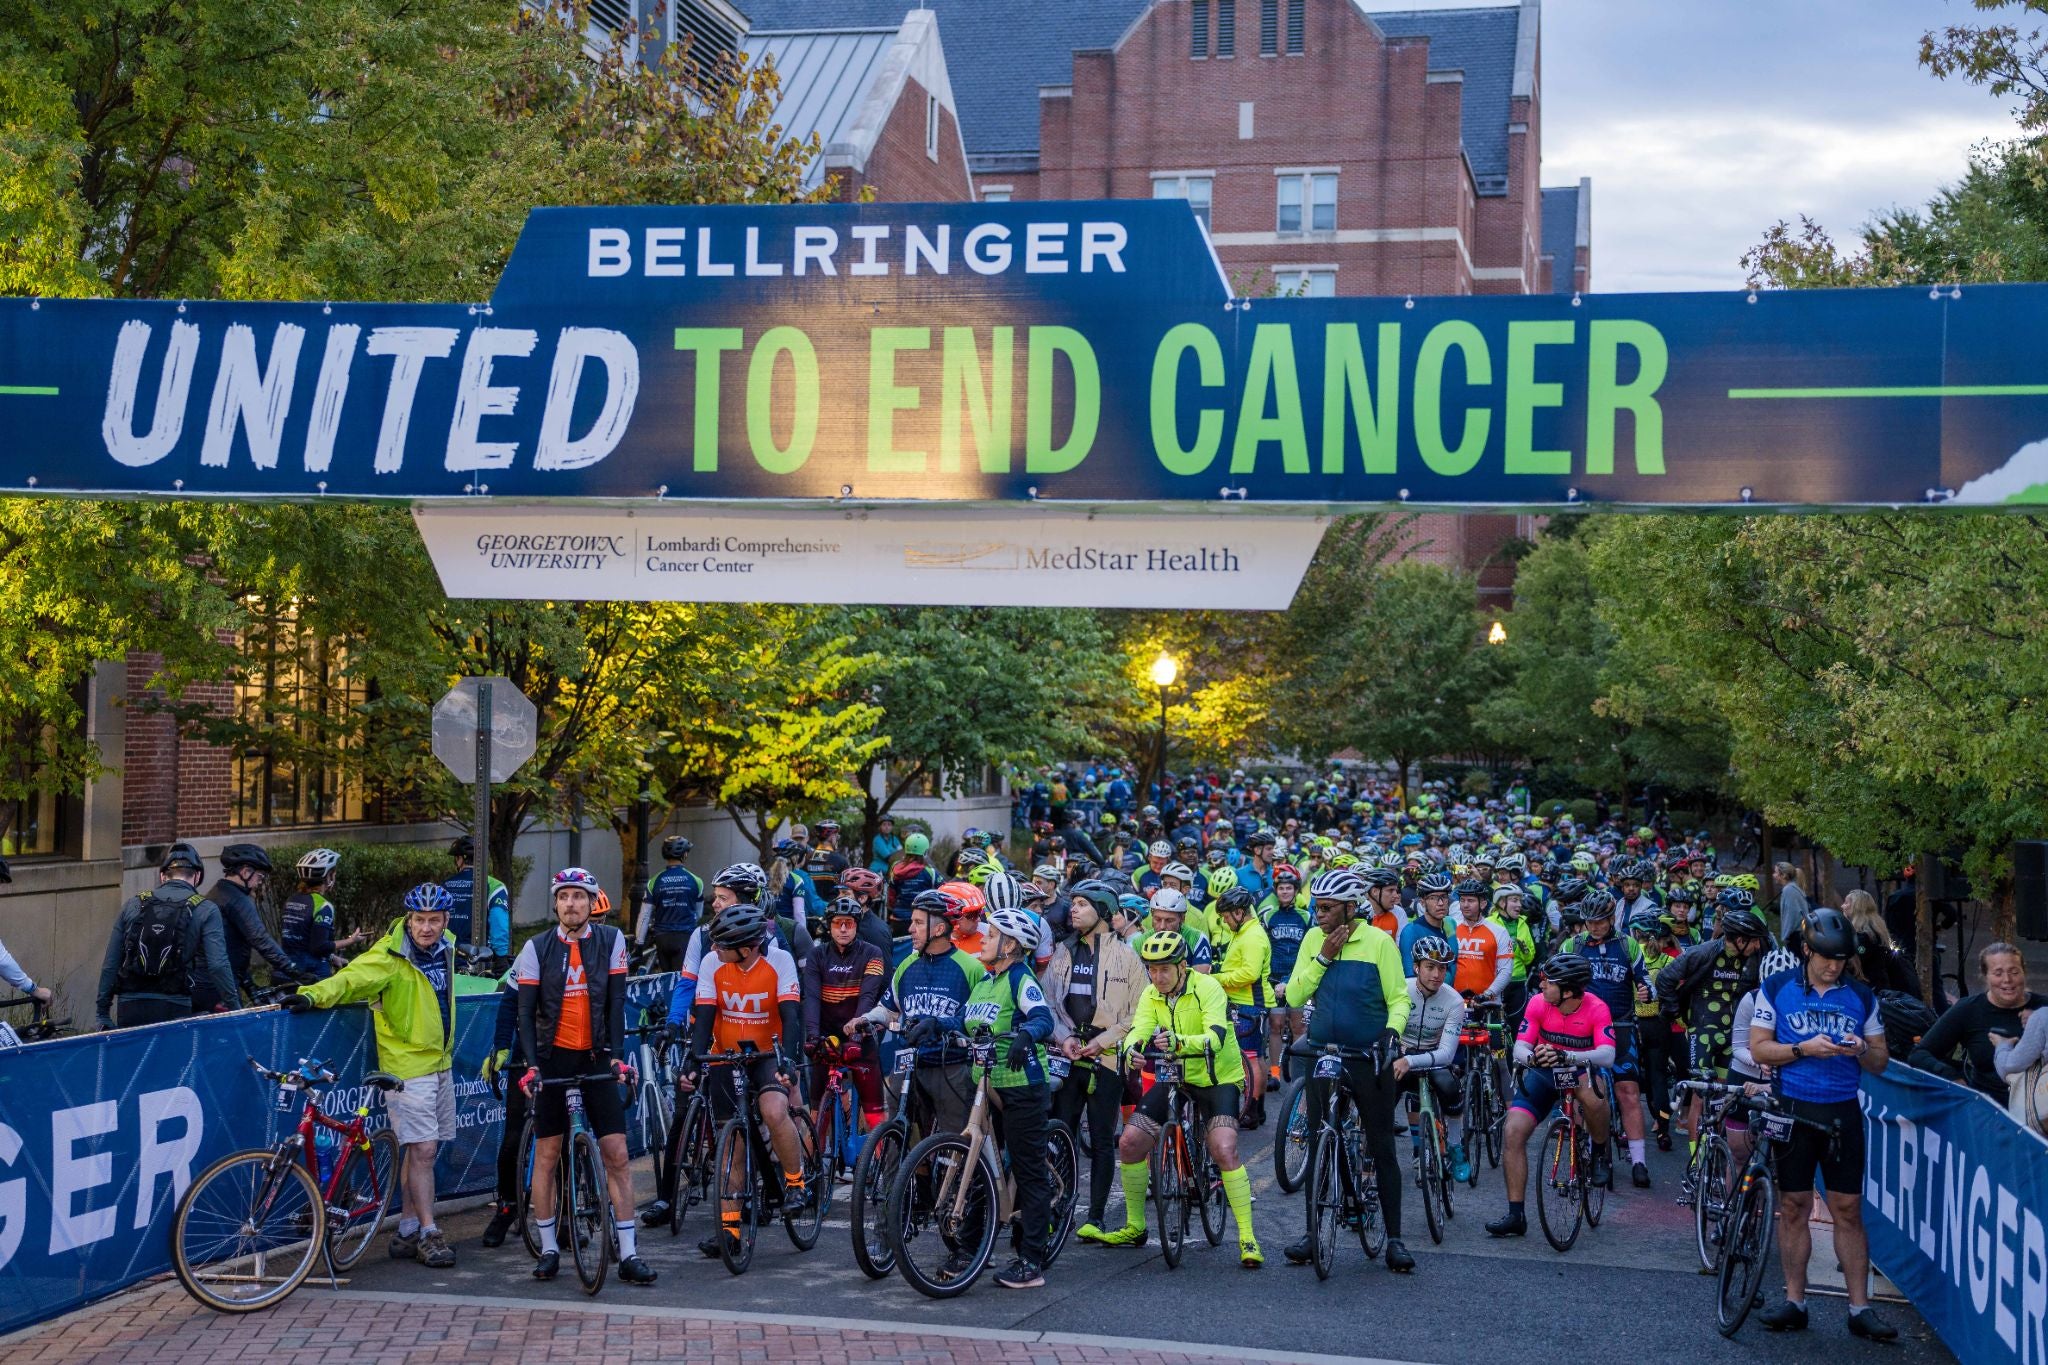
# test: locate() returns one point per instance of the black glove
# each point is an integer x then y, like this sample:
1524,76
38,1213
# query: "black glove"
921,1032
1021,1049
297,1003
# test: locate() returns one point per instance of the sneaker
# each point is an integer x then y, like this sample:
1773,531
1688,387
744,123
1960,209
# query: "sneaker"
1248,1254
1664,1139
1461,1166
1603,1169
633,1270
654,1215
502,1219
710,1247
955,1265
1021,1274
1784,1317
1126,1236
404,1248
1864,1322
1299,1253
1640,1175
1398,1258
434,1252
1088,1232
797,1199
549,1264
1509,1225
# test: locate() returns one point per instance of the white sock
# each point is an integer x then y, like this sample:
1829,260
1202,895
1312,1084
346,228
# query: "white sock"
629,1239
544,1228
408,1226
1635,1151
429,1230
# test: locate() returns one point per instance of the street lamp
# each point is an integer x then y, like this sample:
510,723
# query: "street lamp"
1165,669
1498,635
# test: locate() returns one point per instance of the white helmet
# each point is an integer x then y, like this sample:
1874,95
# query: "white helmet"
317,862
1179,871
1775,961
1160,849
1002,892
1020,925
1169,900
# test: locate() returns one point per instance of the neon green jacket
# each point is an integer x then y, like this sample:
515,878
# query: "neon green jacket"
1247,961
1199,1018
411,1040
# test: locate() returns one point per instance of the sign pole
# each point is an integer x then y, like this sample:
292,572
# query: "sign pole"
480,889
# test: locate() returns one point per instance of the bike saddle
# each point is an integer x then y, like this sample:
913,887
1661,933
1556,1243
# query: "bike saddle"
384,1081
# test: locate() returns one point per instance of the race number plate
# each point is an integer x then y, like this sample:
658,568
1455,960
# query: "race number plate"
1166,1072
1057,1067
983,1054
1329,1068
906,1059
1777,1127
1566,1077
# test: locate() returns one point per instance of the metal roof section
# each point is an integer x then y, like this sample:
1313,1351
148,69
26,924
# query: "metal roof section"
1567,226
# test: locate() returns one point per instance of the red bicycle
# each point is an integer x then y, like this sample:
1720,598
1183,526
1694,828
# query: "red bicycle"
250,1227
1567,1192
841,1118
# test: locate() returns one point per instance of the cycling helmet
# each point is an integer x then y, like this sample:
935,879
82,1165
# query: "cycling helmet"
1778,960
968,894
860,881
1734,898
1286,872
1047,871
675,848
1180,872
1234,900
917,844
1031,895
1172,902
845,907
790,848
1471,887
1482,857
1512,862
182,855
1261,838
316,863
743,879
1183,847
1392,862
236,857
1148,813
1162,947
1338,884
1569,972
1018,924
1159,848
429,898
1380,877
1597,904
1001,891
1680,893
1571,891
978,873
577,878
1743,921
1132,905
1109,819
1585,864
1507,893
827,827
739,926
970,838
462,847
1827,934
944,904
1430,948
1434,882
600,904
1650,921
1221,880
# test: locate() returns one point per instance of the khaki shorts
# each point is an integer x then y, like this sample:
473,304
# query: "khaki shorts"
425,1110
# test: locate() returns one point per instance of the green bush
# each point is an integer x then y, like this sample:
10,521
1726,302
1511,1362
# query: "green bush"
1477,782
372,879
1582,811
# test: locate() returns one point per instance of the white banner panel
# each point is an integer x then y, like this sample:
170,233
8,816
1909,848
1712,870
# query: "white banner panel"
897,555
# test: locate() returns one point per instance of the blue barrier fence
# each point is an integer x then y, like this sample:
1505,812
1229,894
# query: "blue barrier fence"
1955,1195
101,1134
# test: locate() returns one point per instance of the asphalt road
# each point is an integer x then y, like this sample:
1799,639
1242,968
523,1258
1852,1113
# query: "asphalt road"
1628,1290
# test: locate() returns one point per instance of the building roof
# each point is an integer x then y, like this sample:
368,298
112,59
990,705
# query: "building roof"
1482,43
1567,222
1000,51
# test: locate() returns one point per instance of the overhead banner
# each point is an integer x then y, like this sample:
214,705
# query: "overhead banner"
1005,353
894,555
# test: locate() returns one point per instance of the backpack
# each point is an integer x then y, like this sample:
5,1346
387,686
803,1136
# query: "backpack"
1906,1021
153,951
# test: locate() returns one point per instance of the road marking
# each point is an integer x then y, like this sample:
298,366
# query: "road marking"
863,1325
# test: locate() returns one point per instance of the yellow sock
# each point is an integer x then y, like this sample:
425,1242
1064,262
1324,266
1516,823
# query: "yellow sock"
1237,1188
1137,1176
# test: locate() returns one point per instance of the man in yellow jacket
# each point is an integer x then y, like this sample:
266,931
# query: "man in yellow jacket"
1247,959
410,975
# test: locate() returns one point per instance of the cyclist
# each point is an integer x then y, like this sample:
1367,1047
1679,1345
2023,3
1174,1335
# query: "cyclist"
927,997
1679,903
675,899
1433,908
911,876
827,864
749,998
1660,1043
738,884
1820,1027
1093,984
1186,1015
1287,921
1383,901
1429,1043
1007,1000
1352,972
1484,954
841,981
1566,1023
1247,963
1704,988
166,949
461,886
307,928
1508,899
1170,913
1621,981
244,868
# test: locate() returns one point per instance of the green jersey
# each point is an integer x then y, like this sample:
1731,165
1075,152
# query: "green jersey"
1006,1002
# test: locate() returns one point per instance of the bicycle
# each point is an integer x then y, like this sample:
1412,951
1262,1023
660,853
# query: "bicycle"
659,1052
1433,1157
741,1169
1486,1105
1291,1141
583,1200
841,1121
39,1029
1343,1186
1184,1172
1567,1172
1749,1229
1710,1169
692,1156
955,1189
249,1228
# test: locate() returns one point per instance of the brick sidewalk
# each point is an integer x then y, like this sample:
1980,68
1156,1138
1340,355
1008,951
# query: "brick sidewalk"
316,1327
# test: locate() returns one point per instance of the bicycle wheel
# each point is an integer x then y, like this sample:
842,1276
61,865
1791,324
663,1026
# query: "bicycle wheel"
737,1181
942,1217
1325,1202
1169,1193
1496,1111
1711,1164
696,1157
586,1210
1063,1168
248,1231
1748,1235
1594,1194
362,1198
1291,1142
527,1233
1364,1177
1429,1173
1559,1206
880,1155
1209,1192
656,1114
803,1228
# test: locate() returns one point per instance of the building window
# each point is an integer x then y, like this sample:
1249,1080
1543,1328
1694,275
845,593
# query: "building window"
995,194
295,684
1308,201
609,24
931,126
1269,28
1306,284
711,31
1295,26
1193,188
1199,43
1226,28
44,821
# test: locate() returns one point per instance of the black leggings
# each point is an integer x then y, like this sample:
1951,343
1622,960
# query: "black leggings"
508,1141
1375,1093
1100,1102
1665,1057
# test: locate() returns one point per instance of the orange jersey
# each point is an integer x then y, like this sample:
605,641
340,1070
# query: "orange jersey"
1484,956
1387,922
749,1000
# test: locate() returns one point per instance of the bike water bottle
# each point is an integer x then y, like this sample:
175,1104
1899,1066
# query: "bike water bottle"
326,1150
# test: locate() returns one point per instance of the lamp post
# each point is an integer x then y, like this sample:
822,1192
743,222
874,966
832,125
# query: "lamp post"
1498,635
1164,670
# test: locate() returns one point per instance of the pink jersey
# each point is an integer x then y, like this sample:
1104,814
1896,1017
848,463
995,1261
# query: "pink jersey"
1589,1029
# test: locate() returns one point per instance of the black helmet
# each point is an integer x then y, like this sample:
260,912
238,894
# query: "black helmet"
1235,899
463,847
739,926
1471,887
1381,877
235,857
1826,934
1434,883
1569,971
182,855
1744,922
1099,894
676,848
1570,891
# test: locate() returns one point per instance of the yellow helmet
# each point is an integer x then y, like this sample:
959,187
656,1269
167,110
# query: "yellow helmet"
1162,946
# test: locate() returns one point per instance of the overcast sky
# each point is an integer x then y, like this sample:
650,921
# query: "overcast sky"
1702,123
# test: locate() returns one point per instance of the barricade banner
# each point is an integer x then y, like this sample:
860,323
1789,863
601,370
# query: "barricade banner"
1955,1195
101,1134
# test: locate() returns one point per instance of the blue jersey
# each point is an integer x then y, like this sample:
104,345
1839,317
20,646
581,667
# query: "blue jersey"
1260,884
1788,1006
1285,929
929,987
675,897
1412,933
498,929
1617,970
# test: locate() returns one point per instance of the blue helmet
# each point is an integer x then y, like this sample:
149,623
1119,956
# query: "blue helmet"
429,898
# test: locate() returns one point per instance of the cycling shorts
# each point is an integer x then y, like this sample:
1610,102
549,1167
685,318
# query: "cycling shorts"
603,1107
1536,1091
1250,1023
1216,1105
1625,1067
762,1079
1450,1095
1839,1161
